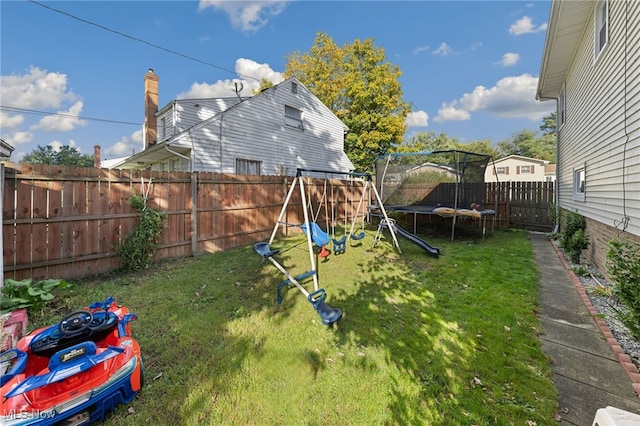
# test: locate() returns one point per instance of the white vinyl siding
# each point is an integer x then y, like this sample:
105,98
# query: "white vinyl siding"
254,129
602,129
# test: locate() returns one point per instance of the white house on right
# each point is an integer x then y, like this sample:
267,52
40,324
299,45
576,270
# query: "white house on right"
517,168
591,68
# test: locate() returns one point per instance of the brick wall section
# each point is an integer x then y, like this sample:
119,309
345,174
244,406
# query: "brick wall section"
599,236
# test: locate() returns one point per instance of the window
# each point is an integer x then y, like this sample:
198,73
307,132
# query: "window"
293,117
601,17
501,170
525,170
579,184
247,167
561,108
175,165
294,88
162,129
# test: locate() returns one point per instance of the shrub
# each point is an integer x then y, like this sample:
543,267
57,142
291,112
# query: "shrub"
573,222
623,265
27,294
138,248
578,242
573,238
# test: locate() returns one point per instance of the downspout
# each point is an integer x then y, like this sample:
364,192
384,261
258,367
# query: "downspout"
556,186
556,189
166,147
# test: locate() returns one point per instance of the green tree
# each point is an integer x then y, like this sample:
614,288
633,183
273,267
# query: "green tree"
428,141
361,87
548,126
65,156
526,143
264,85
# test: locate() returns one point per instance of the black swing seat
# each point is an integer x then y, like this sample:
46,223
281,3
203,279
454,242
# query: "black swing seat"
328,315
264,250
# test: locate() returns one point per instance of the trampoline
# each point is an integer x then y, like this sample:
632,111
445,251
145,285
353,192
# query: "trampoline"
447,183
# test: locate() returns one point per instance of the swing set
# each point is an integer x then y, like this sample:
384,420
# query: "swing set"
315,235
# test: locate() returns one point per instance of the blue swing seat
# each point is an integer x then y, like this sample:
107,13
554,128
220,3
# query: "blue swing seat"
328,315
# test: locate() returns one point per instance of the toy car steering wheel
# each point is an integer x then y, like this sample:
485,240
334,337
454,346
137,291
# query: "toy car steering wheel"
75,322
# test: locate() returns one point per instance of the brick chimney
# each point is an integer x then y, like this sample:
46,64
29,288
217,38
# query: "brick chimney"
150,108
96,156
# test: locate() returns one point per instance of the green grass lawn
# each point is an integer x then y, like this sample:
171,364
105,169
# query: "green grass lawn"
449,341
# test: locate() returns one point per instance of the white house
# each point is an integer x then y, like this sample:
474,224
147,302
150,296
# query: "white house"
5,149
283,128
591,68
516,168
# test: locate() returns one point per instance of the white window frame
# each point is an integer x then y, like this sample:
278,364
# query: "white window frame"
293,117
525,170
579,183
162,130
501,170
562,108
245,166
601,27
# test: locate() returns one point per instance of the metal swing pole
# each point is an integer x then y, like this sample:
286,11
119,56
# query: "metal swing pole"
312,260
355,216
384,213
284,209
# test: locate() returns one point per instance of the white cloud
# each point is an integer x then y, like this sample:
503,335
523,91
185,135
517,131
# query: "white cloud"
225,88
18,138
510,59
418,50
443,50
37,89
511,97
450,112
417,119
124,147
525,25
246,15
63,121
9,121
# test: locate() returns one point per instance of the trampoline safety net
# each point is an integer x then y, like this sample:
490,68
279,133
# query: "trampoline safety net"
451,178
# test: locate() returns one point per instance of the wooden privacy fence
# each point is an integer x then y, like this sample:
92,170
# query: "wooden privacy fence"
66,222
522,205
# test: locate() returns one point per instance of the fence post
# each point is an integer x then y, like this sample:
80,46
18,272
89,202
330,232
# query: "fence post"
194,213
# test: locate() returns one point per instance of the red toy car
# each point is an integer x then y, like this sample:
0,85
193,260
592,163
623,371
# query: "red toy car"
73,372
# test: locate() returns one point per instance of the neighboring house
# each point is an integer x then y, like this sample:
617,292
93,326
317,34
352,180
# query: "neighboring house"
5,150
283,128
591,67
516,168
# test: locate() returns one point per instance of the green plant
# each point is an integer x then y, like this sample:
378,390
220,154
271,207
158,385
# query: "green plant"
27,294
573,222
580,270
138,248
623,265
578,242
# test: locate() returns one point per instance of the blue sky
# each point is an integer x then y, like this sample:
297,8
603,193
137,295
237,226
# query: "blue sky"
470,68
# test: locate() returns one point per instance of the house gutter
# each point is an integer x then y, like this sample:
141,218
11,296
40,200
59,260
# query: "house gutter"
166,147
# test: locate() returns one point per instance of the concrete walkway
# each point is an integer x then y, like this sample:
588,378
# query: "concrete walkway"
590,370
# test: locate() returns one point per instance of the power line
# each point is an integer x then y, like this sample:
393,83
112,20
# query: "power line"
142,41
59,114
